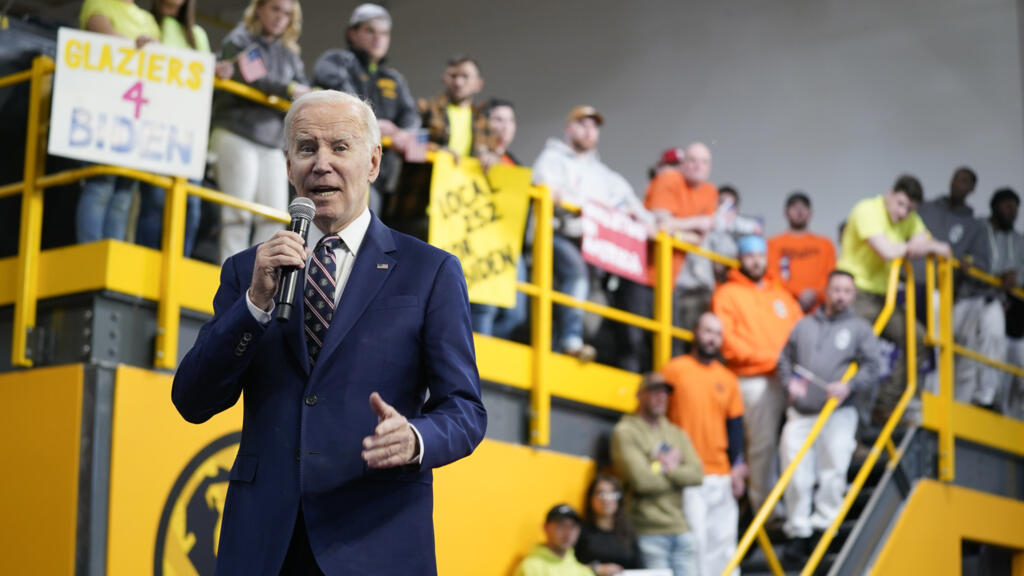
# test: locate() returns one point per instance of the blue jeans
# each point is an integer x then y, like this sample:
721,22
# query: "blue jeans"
502,322
151,217
103,208
674,551
573,279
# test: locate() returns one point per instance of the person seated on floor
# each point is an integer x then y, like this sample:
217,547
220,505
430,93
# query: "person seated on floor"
607,544
555,557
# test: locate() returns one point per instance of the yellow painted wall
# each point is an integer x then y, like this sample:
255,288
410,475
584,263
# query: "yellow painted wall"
40,430
151,447
927,536
489,508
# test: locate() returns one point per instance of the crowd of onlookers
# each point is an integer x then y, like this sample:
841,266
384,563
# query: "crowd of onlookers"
773,339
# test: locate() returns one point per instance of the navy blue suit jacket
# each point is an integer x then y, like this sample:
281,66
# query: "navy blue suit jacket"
402,329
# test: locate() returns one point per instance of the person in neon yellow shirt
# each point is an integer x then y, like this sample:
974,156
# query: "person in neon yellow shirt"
879,230
450,118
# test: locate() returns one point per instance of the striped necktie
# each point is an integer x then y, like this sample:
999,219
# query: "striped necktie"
319,293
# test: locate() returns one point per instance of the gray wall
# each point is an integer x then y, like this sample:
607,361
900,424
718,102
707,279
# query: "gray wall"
836,98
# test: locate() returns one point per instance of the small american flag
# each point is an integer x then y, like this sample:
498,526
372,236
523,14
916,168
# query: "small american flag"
250,64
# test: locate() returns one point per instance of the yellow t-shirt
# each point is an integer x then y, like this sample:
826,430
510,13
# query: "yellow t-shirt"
460,129
127,18
869,218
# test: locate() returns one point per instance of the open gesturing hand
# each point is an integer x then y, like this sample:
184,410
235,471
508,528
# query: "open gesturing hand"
393,442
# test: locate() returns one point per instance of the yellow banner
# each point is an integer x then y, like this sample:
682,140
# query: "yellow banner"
481,220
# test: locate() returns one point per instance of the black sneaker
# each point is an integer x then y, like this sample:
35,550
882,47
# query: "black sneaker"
798,551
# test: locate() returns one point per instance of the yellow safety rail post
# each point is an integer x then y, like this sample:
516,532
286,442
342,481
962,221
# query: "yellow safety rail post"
757,524
946,438
31,225
540,323
663,287
890,425
168,308
929,292
769,553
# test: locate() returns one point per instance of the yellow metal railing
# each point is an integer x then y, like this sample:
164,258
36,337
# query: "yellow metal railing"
35,182
947,348
756,528
168,306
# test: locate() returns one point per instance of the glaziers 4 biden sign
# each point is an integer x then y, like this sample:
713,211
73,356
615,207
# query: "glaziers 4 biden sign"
146,108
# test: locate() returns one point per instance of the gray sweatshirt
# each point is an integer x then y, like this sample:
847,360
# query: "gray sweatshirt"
965,235
248,119
826,346
582,177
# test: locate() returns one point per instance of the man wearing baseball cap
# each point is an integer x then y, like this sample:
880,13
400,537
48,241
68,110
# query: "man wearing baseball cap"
555,557
800,259
361,70
757,315
571,168
656,460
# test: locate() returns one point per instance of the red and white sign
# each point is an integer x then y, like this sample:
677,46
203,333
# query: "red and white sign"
613,241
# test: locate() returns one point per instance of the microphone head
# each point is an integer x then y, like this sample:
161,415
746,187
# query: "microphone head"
302,208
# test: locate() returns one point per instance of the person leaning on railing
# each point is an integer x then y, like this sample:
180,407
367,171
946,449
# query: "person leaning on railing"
571,168
248,138
879,230
105,201
178,29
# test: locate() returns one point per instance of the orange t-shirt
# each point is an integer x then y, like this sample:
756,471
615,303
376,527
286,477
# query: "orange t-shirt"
810,260
756,321
669,191
706,395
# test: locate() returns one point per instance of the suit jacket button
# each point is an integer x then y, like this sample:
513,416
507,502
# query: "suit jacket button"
246,337
311,400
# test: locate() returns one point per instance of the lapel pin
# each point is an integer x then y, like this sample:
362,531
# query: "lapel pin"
382,266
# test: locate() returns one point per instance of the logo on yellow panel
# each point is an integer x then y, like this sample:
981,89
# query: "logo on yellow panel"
186,540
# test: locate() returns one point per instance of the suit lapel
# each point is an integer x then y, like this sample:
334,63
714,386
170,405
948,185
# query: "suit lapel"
372,267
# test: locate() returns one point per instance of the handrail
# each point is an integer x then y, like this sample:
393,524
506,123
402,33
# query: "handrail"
890,425
757,524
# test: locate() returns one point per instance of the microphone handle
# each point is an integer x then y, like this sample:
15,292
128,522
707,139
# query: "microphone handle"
290,275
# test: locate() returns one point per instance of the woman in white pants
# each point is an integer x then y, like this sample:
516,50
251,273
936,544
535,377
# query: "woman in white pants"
248,138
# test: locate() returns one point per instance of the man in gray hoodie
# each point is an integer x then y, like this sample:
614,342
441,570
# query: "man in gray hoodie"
571,168
820,349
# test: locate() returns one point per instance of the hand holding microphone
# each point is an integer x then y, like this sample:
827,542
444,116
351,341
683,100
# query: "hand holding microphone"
280,261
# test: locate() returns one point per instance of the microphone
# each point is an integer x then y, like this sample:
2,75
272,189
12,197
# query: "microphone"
302,211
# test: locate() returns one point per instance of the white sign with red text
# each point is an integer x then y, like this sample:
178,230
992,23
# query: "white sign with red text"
145,108
614,241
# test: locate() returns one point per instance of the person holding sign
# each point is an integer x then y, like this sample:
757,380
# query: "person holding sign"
248,138
103,207
178,28
571,168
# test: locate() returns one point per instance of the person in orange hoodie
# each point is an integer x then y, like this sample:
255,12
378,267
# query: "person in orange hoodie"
757,314
800,259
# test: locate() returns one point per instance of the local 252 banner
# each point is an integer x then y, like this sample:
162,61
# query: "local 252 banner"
145,108
481,220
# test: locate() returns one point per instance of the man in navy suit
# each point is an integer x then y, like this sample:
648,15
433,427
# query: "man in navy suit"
346,412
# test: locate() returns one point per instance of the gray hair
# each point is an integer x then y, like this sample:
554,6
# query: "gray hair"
371,133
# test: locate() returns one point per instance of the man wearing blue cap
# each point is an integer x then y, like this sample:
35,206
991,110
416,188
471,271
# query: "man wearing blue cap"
757,315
